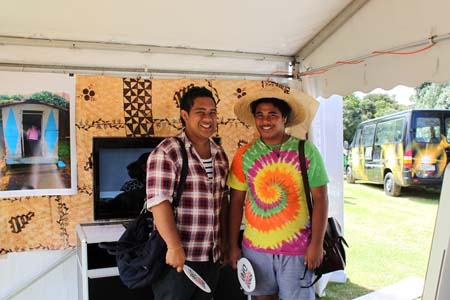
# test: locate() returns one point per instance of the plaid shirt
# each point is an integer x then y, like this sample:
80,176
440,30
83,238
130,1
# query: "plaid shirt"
197,215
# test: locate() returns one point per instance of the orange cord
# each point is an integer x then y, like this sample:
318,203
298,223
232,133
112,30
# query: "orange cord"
311,73
405,53
353,62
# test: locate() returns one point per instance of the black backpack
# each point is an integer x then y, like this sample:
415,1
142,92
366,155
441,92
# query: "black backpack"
140,251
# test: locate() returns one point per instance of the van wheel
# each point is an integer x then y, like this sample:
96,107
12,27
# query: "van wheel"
350,178
391,188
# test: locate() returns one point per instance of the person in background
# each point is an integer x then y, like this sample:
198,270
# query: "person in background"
131,200
433,137
33,136
137,172
191,232
280,238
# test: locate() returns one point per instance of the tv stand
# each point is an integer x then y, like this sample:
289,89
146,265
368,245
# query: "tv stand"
98,276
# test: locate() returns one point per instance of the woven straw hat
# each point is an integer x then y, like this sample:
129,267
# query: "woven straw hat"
294,98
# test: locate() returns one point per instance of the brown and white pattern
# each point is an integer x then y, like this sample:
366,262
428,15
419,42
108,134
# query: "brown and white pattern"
113,106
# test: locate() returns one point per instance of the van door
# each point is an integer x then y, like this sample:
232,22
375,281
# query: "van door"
379,153
355,168
429,154
447,136
367,138
388,149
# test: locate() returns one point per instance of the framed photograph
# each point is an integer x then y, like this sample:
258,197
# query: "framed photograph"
37,134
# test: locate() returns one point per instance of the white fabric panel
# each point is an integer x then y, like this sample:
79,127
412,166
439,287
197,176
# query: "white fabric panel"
438,272
381,25
327,134
18,268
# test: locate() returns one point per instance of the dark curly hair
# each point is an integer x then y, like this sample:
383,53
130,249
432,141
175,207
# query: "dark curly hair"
187,101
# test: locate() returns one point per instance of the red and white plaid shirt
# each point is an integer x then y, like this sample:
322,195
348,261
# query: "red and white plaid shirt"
197,214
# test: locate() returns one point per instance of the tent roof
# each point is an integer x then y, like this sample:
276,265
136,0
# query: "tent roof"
274,27
255,38
231,36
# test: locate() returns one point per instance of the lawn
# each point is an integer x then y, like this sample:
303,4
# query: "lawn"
389,238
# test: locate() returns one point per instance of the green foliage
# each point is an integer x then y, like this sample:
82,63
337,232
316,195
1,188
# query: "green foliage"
432,95
371,106
351,117
50,98
44,96
12,97
6,101
64,150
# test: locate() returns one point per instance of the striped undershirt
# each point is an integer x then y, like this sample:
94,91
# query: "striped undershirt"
208,165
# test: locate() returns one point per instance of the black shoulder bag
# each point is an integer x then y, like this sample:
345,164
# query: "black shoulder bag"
141,251
333,242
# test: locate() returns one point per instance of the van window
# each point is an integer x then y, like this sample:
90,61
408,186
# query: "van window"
428,130
368,135
389,132
357,138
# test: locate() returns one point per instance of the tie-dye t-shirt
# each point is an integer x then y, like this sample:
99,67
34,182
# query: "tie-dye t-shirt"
276,212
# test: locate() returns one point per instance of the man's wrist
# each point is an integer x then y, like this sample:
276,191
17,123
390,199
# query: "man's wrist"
175,248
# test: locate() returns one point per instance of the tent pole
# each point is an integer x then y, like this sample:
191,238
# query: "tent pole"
139,72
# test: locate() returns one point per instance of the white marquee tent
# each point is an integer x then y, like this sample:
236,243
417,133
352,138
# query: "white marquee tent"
326,47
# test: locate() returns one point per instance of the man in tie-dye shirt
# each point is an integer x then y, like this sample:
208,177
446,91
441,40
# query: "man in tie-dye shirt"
280,238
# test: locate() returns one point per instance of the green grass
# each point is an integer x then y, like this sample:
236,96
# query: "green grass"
389,238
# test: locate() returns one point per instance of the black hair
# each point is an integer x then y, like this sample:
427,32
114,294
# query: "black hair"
284,108
187,101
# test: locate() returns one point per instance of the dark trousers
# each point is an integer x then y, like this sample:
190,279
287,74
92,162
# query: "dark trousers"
177,286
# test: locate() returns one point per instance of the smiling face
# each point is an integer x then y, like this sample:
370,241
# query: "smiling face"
270,123
201,121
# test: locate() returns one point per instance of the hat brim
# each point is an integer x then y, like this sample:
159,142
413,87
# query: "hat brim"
299,103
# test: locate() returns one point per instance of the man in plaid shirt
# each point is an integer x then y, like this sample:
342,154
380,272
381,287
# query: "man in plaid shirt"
192,236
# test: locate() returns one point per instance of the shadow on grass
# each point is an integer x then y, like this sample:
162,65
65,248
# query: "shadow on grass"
344,291
422,194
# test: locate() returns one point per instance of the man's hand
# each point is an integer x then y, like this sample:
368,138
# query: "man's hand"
175,258
234,256
314,256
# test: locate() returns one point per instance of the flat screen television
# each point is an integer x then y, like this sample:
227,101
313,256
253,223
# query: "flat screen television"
118,167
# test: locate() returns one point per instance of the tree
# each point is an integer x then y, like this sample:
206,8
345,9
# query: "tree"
432,95
371,106
351,116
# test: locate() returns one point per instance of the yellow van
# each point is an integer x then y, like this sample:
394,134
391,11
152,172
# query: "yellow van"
401,149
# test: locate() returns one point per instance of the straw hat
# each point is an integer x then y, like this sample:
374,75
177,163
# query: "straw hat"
294,98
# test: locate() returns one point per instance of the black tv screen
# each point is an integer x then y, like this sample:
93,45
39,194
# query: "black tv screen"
119,175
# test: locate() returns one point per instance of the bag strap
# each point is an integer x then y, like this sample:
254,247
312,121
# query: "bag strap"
184,170
301,153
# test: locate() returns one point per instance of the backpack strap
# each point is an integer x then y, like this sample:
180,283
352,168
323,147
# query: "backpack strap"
301,154
184,170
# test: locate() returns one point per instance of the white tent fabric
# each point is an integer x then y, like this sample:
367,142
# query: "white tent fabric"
272,31
382,25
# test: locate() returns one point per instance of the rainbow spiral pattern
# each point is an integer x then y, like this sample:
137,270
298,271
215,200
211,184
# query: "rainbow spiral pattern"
275,211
